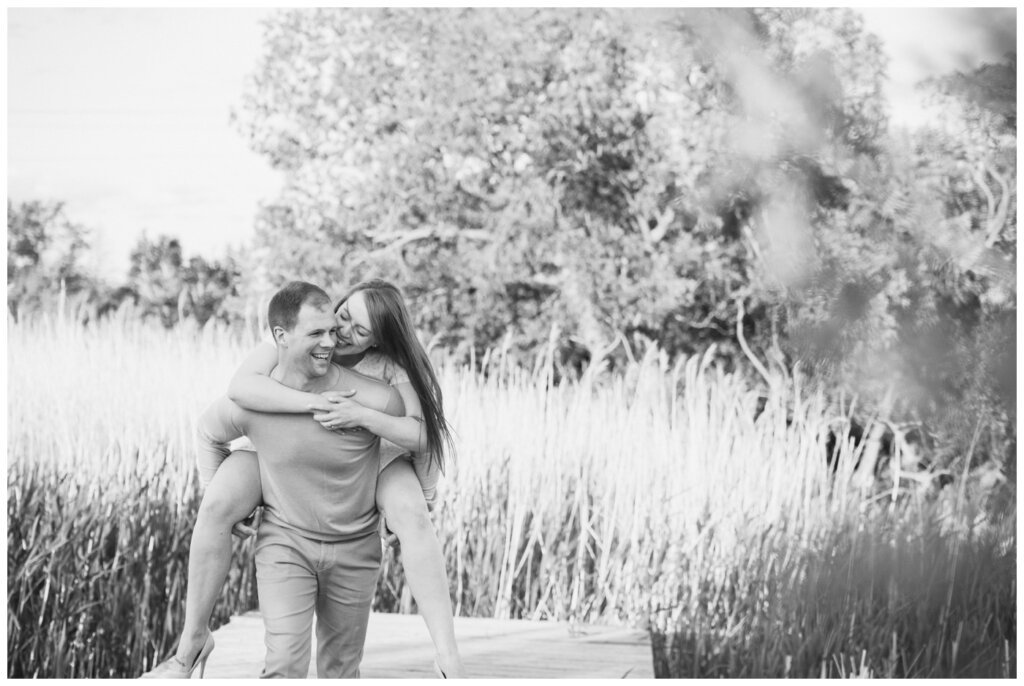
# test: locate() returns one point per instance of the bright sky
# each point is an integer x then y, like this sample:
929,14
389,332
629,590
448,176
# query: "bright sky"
923,42
124,113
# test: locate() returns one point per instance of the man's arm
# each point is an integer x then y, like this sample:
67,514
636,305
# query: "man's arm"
216,428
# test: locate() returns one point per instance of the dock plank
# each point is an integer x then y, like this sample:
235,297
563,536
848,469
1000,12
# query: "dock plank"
399,647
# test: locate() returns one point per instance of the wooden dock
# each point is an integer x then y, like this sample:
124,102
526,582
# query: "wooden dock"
398,647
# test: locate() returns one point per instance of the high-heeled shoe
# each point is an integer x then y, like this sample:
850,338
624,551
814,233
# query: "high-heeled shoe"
454,666
173,668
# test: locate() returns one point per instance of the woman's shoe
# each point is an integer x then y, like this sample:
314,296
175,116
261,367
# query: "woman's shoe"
173,668
453,667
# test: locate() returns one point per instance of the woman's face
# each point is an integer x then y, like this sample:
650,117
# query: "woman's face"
354,332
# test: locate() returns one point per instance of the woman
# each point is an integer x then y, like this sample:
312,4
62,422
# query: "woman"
375,338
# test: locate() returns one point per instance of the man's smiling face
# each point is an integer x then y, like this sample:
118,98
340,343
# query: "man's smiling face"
310,343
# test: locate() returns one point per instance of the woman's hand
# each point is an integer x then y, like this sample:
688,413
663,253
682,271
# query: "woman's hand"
339,411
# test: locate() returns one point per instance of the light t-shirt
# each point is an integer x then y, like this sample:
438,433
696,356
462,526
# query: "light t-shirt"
377,365
319,483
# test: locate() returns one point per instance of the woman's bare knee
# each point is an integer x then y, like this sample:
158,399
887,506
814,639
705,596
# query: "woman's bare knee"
401,499
408,517
222,507
234,492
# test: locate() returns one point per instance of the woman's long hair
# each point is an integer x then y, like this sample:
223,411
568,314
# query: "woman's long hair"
396,338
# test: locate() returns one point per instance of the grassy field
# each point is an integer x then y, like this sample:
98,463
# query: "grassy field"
659,497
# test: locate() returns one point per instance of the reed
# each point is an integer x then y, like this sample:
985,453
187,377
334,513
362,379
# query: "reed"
659,497
102,494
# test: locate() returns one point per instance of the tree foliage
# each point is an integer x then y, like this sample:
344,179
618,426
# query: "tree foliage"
501,165
44,255
521,170
166,285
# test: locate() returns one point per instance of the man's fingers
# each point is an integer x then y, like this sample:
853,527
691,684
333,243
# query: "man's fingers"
243,531
248,526
386,535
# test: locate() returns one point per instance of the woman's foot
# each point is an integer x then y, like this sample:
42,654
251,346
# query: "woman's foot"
191,645
449,667
176,668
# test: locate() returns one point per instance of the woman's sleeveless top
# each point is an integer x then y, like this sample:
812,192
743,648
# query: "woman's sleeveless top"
379,366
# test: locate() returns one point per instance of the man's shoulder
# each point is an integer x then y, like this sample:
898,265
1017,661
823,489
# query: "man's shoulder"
226,408
221,417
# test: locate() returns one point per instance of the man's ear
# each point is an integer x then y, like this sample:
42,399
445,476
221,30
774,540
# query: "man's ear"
279,333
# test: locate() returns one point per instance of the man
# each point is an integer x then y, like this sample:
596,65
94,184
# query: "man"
317,548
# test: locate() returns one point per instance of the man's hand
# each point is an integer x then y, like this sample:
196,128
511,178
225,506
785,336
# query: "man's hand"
389,537
248,526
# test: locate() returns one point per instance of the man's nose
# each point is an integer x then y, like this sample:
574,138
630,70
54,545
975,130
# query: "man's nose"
328,340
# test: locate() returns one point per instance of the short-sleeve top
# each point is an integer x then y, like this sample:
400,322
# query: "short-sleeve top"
377,365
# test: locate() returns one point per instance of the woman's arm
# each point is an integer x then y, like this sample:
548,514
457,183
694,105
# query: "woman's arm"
252,388
407,431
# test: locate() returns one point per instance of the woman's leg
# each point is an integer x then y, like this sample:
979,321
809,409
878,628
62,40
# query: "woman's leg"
231,496
400,496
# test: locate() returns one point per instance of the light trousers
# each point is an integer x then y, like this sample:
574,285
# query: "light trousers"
297,576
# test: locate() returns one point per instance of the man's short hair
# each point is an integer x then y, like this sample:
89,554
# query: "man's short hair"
286,303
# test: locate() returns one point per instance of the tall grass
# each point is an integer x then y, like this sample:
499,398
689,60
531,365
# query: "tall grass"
102,495
659,497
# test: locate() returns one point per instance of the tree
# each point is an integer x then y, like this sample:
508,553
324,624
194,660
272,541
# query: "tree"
792,110
163,284
498,164
883,263
966,165
44,255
